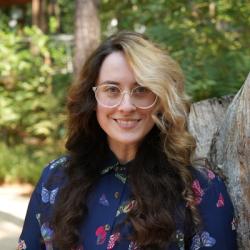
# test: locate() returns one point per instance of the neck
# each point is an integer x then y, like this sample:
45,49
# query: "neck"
124,153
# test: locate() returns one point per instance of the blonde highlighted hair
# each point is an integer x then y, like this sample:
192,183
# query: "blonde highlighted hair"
158,71
162,162
155,69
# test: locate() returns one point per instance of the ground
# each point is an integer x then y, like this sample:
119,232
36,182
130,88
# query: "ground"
14,201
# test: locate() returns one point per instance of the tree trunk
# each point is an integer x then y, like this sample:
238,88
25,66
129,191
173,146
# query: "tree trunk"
87,31
204,119
35,12
39,18
43,16
223,135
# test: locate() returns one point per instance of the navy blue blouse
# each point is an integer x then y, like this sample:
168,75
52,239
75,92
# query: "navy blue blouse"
109,203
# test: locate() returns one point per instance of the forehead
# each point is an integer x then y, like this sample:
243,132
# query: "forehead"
115,68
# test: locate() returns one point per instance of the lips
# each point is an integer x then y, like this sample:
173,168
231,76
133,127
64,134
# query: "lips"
127,123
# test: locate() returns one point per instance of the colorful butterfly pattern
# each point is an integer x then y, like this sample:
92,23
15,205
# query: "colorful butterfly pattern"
210,174
58,162
125,207
103,200
121,177
202,240
49,196
133,246
220,202
198,191
109,210
112,240
47,234
180,239
38,217
101,235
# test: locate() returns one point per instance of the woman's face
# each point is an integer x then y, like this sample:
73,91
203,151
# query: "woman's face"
125,124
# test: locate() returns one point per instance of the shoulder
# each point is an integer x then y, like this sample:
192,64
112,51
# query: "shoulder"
210,190
57,165
53,173
52,179
206,177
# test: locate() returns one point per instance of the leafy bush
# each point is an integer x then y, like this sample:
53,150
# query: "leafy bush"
31,106
22,163
210,39
33,83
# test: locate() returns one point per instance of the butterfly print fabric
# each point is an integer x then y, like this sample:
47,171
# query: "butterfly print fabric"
110,202
49,196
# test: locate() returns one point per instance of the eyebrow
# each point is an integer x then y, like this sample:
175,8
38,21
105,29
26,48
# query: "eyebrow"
110,82
115,83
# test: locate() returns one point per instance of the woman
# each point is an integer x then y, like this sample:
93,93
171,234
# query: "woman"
127,181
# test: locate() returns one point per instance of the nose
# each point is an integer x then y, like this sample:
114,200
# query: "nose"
126,104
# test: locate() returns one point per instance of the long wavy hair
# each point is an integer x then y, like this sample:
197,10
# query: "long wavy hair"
159,176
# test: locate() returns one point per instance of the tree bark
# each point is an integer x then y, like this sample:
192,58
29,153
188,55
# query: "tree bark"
204,119
39,14
87,31
35,12
230,150
223,136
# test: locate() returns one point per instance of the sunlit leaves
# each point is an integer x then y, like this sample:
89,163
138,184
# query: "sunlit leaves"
29,103
210,39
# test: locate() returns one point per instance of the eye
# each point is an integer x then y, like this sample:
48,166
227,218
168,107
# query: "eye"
140,90
110,91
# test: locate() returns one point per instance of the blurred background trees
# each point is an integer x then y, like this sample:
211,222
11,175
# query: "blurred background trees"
210,39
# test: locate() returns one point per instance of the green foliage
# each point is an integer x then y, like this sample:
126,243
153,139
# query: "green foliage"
29,105
33,84
4,20
67,12
209,39
22,163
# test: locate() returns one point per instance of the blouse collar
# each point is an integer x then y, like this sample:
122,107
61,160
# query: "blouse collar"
113,164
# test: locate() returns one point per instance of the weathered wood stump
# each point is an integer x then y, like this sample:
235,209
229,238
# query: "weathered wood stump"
222,130
204,119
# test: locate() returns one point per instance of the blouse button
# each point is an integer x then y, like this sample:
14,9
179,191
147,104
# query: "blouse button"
117,195
107,227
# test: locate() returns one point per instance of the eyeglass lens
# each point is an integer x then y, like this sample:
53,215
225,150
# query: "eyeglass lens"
111,95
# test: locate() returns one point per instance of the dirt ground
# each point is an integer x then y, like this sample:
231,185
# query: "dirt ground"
13,205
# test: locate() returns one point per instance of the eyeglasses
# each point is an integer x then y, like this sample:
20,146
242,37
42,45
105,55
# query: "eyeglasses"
110,96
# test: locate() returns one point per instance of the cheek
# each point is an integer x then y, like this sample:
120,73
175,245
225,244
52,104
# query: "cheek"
148,117
102,114
151,121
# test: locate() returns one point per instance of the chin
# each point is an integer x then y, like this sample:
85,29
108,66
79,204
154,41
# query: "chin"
126,141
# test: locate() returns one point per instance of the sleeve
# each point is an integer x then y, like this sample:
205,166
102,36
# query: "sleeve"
30,237
218,230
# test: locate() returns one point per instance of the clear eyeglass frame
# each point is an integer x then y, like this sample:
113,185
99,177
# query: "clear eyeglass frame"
95,88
